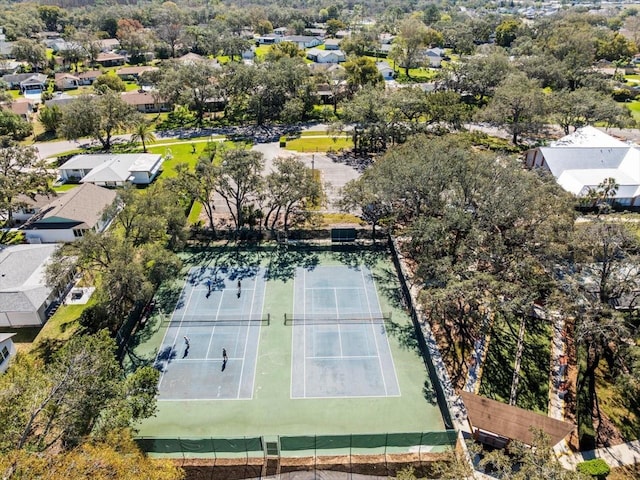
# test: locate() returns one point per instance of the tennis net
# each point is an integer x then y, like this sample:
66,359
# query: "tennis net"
325,319
221,320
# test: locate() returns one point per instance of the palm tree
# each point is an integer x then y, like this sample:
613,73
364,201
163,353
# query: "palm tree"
143,133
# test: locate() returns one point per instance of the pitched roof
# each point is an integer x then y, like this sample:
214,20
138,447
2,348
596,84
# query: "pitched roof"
139,98
111,167
135,70
588,137
22,277
511,422
106,57
90,74
82,206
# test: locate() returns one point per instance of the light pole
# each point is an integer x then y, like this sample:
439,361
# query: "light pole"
313,162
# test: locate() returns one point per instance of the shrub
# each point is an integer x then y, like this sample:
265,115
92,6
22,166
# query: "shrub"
597,468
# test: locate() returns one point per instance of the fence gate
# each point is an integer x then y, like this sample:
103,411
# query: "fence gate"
271,465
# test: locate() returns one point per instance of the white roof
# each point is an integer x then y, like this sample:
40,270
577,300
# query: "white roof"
111,167
584,159
588,137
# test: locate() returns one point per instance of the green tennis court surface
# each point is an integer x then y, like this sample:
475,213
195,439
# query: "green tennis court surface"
347,362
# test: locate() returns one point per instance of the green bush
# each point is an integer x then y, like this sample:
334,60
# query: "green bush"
597,468
586,432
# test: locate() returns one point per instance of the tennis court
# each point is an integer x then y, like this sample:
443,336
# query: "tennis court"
340,345
217,309
345,362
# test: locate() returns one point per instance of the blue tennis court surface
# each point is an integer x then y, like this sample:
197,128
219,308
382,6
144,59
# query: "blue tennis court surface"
217,309
340,345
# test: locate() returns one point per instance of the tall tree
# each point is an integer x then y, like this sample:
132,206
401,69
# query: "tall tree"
29,51
239,181
97,116
143,133
413,36
21,173
291,190
517,106
585,106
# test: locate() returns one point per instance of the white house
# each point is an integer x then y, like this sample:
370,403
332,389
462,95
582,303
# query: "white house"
434,57
26,206
25,297
7,350
69,216
112,170
584,159
325,56
385,70
332,43
304,41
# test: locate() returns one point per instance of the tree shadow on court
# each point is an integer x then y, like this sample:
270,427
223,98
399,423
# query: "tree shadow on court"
284,262
164,357
387,283
429,392
367,256
405,334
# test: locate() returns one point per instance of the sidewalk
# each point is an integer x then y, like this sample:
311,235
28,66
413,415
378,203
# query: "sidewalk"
616,456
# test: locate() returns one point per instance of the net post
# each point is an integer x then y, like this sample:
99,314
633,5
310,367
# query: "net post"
285,318
268,319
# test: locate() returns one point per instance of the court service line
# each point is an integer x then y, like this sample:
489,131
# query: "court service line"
335,295
342,357
373,330
395,375
173,346
255,362
342,397
246,341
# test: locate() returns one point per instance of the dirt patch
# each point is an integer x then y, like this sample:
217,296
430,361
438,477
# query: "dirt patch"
381,465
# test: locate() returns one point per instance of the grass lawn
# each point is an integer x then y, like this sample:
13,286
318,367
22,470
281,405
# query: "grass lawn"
63,324
65,188
613,402
497,370
14,93
180,153
194,214
322,144
23,338
416,75
634,108
337,218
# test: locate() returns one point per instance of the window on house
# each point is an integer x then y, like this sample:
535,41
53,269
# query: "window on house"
78,233
4,355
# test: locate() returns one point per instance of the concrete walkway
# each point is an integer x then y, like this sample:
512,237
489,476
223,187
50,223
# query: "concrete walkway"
616,456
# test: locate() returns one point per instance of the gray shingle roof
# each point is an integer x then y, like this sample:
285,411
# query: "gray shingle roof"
22,279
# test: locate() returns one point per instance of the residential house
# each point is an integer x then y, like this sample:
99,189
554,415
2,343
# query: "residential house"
66,81
343,34
67,217
132,73
386,38
33,87
112,170
109,45
332,44
586,158
27,206
326,56
110,59
193,58
9,67
385,70
23,107
25,297
13,81
304,41
434,57
316,32
59,45
324,68
6,49
249,54
88,77
280,31
60,99
7,350
269,39
145,101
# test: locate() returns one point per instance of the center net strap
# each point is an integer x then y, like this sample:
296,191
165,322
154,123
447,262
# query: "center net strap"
328,319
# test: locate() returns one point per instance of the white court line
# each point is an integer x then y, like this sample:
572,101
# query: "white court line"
255,365
304,332
346,397
395,375
333,288
335,295
341,357
293,312
375,339
246,342
214,327
204,359
177,332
